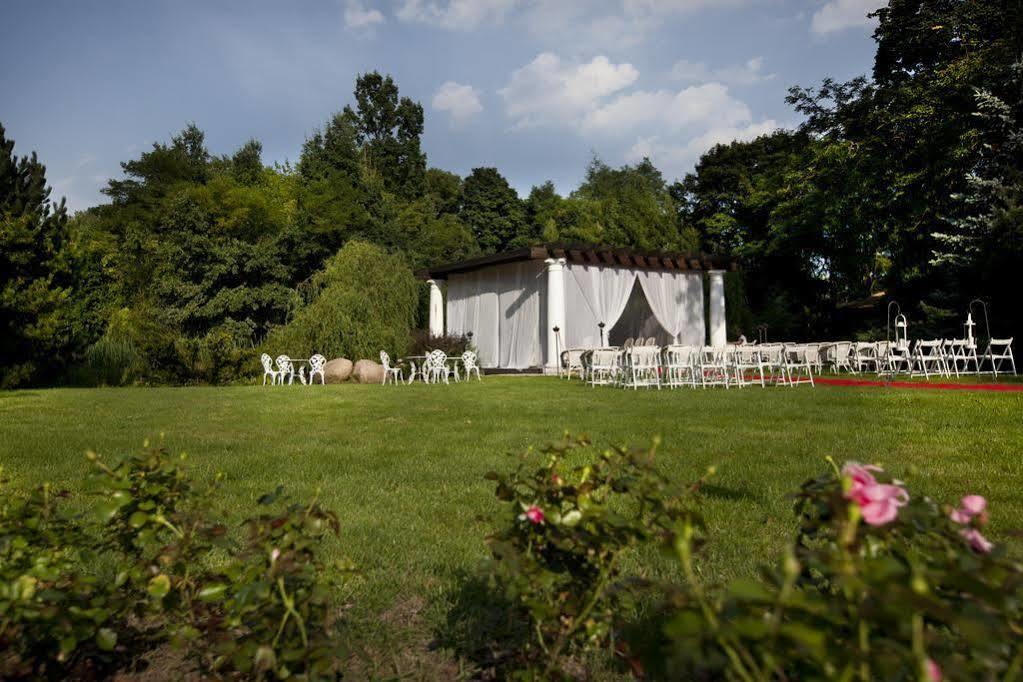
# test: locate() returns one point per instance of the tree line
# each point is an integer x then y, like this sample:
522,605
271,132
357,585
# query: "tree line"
904,185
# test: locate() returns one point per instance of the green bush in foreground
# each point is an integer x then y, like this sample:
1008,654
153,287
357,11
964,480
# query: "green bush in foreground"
877,584
258,606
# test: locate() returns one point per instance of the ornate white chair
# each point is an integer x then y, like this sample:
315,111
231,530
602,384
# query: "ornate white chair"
439,369
268,369
471,364
394,373
316,364
285,368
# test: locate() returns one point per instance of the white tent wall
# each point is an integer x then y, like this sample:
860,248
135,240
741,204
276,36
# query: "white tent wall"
501,307
505,308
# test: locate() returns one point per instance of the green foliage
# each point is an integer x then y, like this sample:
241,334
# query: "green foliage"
54,616
558,553
364,300
34,272
492,210
850,600
112,362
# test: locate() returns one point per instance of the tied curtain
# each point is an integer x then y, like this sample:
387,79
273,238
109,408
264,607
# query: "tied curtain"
676,300
594,294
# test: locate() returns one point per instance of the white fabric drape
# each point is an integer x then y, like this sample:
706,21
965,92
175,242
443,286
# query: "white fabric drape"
694,333
594,294
666,294
519,303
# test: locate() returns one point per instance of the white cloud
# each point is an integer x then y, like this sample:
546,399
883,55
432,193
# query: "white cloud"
737,74
838,15
358,17
462,15
462,102
707,104
548,92
677,158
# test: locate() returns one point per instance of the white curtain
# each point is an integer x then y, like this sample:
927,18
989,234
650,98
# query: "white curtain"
594,294
666,294
694,333
473,307
519,303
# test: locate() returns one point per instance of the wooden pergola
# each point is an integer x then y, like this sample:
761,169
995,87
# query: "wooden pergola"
588,254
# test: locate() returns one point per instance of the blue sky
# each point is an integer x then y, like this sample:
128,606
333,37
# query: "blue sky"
533,87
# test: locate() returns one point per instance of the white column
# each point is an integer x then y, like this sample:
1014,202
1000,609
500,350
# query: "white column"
555,310
436,309
718,335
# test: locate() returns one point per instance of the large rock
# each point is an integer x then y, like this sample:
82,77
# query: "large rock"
368,372
338,370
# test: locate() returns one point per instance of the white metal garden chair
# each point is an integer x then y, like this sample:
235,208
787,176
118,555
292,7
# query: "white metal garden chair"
439,369
471,364
285,368
392,373
998,351
317,363
268,369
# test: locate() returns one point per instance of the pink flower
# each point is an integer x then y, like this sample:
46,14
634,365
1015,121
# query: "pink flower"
274,555
970,507
535,514
933,671
860,477
977,542
880,503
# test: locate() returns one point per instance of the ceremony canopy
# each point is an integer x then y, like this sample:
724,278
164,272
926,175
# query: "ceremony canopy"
512,302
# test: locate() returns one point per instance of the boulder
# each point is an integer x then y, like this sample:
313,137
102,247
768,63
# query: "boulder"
338,370
368,372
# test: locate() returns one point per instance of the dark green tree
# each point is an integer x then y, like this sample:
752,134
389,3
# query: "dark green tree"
34,273
247,163
492,210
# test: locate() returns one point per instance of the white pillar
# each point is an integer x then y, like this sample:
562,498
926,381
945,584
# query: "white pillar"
436,309
718,335
555,311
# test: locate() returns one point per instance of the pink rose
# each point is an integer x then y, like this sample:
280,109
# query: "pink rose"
880,503
860,477
535,514
970,507
933,671
977,542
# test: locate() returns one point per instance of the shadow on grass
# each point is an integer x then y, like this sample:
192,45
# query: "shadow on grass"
729,494
483,627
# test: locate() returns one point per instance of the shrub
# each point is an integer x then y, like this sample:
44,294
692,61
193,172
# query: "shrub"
452,344
364,300
112,362
558,553
876,585
54,617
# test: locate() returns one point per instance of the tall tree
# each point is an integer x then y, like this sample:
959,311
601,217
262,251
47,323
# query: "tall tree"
389,129
492,210
33,271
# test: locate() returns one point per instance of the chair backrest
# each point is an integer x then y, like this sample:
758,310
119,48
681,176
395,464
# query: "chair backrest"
629,343
651,341
643,357
385,360
714,355
316,363
284,364
842,349
1004,344
605,358
679,356
795,353
438,358
469,359
268,363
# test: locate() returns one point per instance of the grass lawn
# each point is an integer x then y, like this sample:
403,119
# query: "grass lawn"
404,466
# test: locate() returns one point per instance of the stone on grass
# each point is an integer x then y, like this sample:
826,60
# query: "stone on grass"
368,372
338,370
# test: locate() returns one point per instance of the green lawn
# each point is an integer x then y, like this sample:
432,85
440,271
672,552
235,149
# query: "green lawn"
404,466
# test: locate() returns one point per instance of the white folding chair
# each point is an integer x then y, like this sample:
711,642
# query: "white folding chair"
680,366
797,365
268,369
747,359
998,351
864,356
927,359
316,364
642,367
713,366
839,357
604,366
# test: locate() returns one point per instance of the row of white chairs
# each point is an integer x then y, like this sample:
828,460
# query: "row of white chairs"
926,357
433,369
286,369
692,366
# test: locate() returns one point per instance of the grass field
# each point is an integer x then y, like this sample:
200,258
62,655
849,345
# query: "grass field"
404,466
